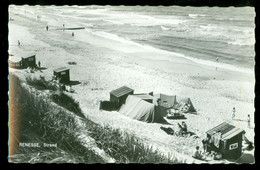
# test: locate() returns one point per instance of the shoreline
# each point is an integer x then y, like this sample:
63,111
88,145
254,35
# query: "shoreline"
106,69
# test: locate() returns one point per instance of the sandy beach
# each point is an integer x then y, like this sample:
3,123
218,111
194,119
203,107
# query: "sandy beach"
104,64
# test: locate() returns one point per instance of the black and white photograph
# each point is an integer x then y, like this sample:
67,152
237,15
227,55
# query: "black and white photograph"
131,84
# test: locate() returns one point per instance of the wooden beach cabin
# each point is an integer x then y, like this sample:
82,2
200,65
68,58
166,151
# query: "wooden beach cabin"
118,96
230,140
63,73
15,64
29,61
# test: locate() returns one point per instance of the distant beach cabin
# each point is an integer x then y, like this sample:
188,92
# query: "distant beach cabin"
118,96
29,61
15,64
63,73
226,139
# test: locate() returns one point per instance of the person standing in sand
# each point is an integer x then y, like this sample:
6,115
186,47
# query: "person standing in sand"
217,62
39,64
248,121
233,113
47,28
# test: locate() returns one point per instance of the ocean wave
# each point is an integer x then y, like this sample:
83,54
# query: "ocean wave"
165,28
196,15
169,53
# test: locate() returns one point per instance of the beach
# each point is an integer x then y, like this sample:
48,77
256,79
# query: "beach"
104,64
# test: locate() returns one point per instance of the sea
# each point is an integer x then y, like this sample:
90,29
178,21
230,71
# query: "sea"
200,34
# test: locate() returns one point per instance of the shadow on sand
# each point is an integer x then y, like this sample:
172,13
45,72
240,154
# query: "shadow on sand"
246,158
42,68
72,83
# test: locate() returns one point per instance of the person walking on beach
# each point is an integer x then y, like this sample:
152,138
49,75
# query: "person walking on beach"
39,64
233,113
47,28
19,43
217,62
248,121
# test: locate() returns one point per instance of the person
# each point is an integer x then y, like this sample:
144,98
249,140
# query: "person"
72,34
39,64
197,153
233,112
63,27
183,128
206,144
248,121
19,43
217,62
63,87
71,90
47,27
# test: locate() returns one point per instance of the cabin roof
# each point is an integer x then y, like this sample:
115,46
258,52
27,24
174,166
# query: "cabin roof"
61,69
121,91
227,130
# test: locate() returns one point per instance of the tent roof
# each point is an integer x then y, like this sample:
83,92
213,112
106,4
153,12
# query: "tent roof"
61,69
138,109
121,91
146,96
228,131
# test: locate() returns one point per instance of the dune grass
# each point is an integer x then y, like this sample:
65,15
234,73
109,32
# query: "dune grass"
41,122
39,83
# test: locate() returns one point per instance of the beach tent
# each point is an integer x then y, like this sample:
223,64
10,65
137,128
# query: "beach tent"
138,109
186,101
147,97
166,101
229,143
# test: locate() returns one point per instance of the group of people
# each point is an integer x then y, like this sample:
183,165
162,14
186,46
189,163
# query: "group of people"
208,151
234,115
61,87
63,25
206,155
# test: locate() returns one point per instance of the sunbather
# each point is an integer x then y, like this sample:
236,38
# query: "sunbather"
197,153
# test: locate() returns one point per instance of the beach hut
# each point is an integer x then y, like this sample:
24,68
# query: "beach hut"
118,96
29,61
63,73
15,64
226,139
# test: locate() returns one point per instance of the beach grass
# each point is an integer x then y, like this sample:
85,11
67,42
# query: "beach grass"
43,123
39,83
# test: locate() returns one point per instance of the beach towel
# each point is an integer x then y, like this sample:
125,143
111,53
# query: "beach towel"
216,139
